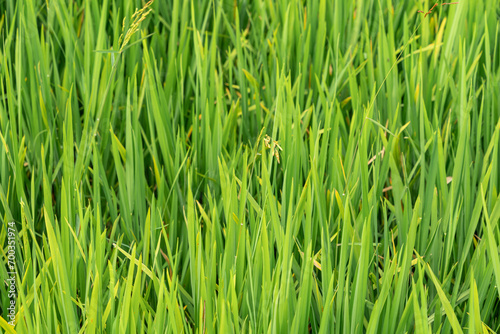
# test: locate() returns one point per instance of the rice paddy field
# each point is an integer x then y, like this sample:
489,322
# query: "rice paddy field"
223,166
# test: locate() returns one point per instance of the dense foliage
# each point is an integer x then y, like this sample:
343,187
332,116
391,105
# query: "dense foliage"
282,166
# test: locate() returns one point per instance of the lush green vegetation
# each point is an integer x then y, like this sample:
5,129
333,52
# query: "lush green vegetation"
250,166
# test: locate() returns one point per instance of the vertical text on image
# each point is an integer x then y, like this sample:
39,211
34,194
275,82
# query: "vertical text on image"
11,272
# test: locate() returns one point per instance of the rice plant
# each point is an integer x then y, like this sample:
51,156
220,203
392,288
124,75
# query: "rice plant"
264,166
